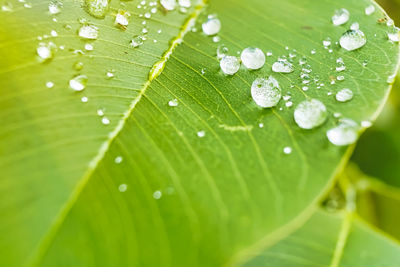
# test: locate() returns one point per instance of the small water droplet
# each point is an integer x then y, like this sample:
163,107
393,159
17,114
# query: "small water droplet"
100,112
344,95
345,133
352,40
341,16
310,114
168,4
78,66
185,3
252,58
137,41
327,42
97,8
122,18
216,39
84,99
49,84
88,32
393,35
222,51
157,194
354,26
45,51
88,47
287,150
7,7
369,10
261,125
283,66
201,134
55,7
110,74
266,92
118,159
173,103
78,83
212,26
229,65
105,121
122,188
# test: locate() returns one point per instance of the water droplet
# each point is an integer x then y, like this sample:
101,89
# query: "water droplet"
222,51
122,18
253,58
53,33
216,39
366,124
369,10
261,125
352,40
345,133
84,99
391,78
88,32
287,150
173,103
97,8
100,112
340,78
310,114
105,121
45,51
55,7
78,83
394,35
212,26
313,52
344,95
354,26
266,92
289,104
282,65
157,194
341,16
137,41
185,3
88,47
201,134
110,74
229,65
49,84
7,7
168,4
78,66
122,187
118,159
389,23
326,42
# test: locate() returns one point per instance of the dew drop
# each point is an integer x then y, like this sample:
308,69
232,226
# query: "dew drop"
122,18
212,26
122,188
345,133
88,47
49,84
173,103
97,8
118,159
266,92
354,26
369,10
136,41
229,65
168,4
352,40
341,16
185,3
88,32
110,74
287,150
344,95
84,99
55,7
310,114
201,134
78,66
7,7
157,194
252,58
105,121
222,51
282,65
78,83
45,51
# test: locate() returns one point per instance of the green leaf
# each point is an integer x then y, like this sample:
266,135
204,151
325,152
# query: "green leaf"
331,240
189,201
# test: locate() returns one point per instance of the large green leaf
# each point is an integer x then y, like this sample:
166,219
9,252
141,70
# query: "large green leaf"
225,195
331,240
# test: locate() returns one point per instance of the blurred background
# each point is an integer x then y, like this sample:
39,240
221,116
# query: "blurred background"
375,164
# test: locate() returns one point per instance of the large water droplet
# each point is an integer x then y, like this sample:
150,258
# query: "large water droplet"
344,95
352,40
282,65
168,4
266,92
345,133
97,8
230,65
310,114
88,32
253,58
341,16
78,83
212,26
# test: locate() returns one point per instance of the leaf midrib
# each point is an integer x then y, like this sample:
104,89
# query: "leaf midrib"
157,68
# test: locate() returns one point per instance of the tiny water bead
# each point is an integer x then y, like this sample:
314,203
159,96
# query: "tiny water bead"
157,194
352,40
88,47
341,16
369,10
253,58
201,134
344,134
173,103
105,121
212,26
283,66
394,35
266,92
310,114
122,18
45,51
354,26
185,3
229,65
78,83
97,8
55,7
110,74
49,84
287,150
168,4
118,159
122,188
222,51
344,95
89,32
136,41
84,99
